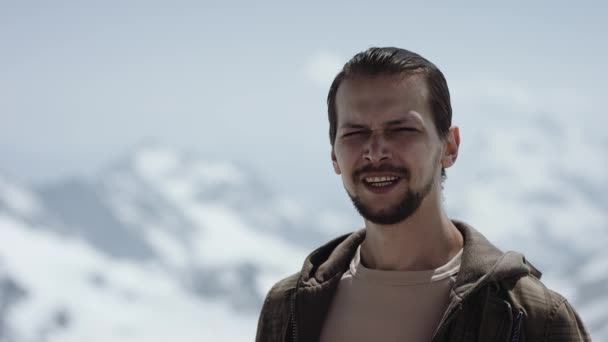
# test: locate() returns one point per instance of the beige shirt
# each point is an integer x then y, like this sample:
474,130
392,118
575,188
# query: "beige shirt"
374,305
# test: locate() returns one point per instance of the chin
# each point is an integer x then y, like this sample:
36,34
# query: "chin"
403,204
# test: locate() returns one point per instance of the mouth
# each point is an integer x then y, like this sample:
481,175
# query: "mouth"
379,182
380,179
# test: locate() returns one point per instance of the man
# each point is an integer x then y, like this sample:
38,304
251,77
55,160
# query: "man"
412,274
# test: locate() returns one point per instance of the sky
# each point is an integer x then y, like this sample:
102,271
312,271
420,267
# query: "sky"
84,83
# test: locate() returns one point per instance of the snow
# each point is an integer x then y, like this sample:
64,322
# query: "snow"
225,239
171,250
164,165
218,173
137,302
221,236
18,199
156,162
290,209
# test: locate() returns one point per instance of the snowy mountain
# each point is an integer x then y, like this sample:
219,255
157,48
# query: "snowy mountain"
168,245
58,289
161,245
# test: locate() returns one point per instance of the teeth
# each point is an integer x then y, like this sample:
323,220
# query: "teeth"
379,184
380,179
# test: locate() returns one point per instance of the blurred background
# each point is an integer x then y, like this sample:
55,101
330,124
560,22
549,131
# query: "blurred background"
162,164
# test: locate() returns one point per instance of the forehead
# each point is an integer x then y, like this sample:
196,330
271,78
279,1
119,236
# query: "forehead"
383,96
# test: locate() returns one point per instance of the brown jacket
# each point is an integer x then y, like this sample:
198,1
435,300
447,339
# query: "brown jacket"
497,297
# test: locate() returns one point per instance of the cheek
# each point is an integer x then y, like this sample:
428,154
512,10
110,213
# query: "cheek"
422,162
346,166
430,166
345,158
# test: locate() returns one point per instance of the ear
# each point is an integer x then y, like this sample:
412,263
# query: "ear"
334,162
451,144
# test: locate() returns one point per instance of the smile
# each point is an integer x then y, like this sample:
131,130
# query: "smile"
381,181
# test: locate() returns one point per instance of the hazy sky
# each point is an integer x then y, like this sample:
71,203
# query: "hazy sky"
82,83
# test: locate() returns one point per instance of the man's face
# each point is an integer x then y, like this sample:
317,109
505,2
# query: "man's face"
387,148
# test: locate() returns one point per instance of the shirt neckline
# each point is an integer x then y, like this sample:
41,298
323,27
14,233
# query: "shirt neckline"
404,278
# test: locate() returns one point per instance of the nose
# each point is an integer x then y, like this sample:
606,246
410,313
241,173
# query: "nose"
376,149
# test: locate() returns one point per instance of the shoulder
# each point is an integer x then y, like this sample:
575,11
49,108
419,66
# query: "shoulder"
276,309
282,289
548,315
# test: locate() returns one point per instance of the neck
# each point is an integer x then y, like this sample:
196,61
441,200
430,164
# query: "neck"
425,240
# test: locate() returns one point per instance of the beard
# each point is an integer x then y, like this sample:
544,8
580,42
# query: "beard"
404,208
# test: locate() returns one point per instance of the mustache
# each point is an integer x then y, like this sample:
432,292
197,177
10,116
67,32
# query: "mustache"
381,168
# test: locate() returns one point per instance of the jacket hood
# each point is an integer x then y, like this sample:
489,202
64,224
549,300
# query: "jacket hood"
481,262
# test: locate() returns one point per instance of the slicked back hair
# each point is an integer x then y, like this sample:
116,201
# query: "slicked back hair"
394,61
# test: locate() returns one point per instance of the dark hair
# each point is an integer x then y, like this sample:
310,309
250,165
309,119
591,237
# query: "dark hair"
389,61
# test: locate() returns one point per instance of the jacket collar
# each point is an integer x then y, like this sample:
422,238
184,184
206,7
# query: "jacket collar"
481,260
481,263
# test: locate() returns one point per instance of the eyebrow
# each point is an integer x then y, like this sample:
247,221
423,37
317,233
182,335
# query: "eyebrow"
396,122
386,124
352,125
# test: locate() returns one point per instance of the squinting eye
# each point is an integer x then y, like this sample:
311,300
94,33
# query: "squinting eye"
405,129
352,134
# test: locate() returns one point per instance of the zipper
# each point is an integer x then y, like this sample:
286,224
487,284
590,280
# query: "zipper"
294,327
516,331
